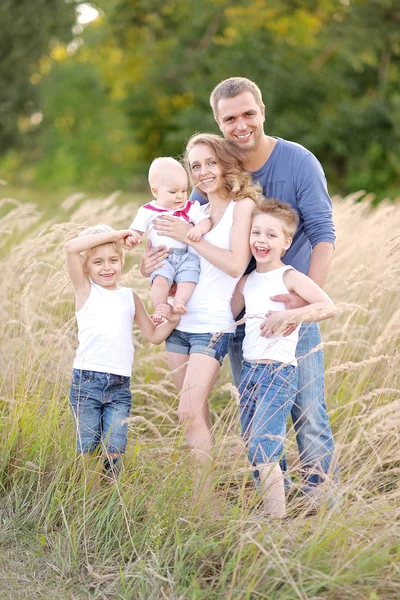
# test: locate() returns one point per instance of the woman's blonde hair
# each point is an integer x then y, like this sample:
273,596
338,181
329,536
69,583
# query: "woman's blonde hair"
236,181
93,231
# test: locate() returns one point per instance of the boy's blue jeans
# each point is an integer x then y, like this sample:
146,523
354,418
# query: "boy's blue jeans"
267,392
100,402
309,415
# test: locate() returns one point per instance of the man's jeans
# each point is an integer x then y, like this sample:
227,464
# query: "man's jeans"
310,419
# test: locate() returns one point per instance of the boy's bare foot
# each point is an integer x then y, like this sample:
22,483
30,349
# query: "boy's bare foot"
179,308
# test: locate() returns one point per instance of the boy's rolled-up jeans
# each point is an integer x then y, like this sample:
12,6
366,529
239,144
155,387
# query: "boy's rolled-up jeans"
309,415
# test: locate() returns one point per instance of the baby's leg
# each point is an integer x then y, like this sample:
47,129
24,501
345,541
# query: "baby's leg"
272,484
159,295
183,292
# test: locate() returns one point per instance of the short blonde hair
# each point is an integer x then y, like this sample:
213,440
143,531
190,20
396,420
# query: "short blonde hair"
280,210
95,229
232,87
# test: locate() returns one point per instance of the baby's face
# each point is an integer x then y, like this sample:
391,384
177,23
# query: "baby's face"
172,192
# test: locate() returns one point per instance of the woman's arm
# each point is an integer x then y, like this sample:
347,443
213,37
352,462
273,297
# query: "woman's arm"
237,302
232,261
235,260
152,332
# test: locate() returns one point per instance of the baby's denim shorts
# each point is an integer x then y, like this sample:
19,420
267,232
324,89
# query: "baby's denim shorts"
215,345
179,266
100,403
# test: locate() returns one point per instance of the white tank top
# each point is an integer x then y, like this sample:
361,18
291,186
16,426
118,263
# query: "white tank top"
105,325
209,308
257,291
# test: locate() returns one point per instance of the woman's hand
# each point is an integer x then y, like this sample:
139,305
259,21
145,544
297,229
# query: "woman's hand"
172,227
152,259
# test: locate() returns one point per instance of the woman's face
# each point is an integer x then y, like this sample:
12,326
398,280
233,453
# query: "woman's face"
206,172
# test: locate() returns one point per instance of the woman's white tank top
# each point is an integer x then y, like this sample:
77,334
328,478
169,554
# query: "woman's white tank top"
257,291
105,325
209,308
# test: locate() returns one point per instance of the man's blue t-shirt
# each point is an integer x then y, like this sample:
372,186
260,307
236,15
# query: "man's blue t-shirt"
292,174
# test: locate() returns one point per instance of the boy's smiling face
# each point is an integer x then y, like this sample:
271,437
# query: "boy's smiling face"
268,242
104,266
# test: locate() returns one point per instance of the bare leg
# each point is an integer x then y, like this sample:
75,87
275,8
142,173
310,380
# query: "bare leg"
184,290
194,414
92,471
111,466
272,484
159,295
177,364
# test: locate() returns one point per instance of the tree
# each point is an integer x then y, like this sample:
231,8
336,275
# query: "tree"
27,30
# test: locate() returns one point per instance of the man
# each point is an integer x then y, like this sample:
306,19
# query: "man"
290,173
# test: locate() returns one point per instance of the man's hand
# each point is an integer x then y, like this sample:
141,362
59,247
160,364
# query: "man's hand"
172,227
291,300
152,259
277,322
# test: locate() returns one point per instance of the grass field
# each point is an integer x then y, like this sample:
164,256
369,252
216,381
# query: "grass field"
140,539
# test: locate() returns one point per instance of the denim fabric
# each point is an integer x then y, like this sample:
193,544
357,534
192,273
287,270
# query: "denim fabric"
100,403
212,344
179,266
309,414
267,393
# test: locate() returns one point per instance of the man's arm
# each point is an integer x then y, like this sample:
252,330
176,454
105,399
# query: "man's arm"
321,258
315,208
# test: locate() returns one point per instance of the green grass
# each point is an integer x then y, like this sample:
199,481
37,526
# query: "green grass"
142,539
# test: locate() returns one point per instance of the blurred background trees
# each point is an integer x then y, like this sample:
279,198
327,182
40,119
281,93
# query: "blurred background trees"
91,105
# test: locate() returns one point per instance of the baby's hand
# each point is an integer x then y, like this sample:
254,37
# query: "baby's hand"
132,239
194,234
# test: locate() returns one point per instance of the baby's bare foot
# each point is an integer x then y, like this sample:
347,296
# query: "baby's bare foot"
179,308
157,318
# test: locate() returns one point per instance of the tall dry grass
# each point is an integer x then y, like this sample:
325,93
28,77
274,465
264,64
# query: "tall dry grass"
140,539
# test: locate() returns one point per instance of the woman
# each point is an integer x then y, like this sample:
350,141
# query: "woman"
195,352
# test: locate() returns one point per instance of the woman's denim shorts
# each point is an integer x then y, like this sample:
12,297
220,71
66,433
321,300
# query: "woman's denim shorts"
215,345
100,403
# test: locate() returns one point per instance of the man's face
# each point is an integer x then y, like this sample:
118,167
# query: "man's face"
241,120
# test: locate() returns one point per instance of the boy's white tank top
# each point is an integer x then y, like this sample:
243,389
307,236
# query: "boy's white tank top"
209,307
105,325
257,291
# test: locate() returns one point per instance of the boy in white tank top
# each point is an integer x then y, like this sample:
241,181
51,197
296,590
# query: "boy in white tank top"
268,382
100,393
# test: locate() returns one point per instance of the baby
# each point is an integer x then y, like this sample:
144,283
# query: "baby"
169,183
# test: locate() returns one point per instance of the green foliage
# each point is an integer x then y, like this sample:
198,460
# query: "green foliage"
26,30
138,85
